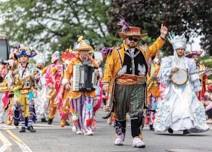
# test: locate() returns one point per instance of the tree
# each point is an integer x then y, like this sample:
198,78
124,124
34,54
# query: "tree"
55,24
191,16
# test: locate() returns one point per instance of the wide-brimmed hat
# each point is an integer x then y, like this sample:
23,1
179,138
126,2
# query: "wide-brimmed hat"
132,31
26,52
83,45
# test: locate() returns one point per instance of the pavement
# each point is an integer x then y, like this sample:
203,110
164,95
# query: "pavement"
53,138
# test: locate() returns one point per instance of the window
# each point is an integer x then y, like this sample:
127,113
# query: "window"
4,50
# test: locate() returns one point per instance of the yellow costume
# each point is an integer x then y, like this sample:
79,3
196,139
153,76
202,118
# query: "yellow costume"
113,64
23,91
152,84
69,75
125,74
80,103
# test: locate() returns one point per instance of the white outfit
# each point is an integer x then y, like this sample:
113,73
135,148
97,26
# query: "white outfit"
180,108
41,104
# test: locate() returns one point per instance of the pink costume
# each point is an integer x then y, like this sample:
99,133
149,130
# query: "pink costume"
54,74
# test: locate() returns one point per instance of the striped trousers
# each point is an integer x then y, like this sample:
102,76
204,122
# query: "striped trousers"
82,112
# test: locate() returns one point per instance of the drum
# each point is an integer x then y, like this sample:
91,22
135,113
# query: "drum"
180,77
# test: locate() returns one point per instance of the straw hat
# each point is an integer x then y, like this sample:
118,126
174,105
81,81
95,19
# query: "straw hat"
83,45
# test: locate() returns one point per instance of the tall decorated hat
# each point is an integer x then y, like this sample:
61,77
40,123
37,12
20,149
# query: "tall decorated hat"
127,31
177,41
83,45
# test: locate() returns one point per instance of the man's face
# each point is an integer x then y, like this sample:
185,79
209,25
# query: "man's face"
84,54
24,59
180,52
132,41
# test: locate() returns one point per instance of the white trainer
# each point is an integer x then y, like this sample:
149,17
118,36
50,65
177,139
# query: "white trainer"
138,143
79,132
89,132
74,129
119,141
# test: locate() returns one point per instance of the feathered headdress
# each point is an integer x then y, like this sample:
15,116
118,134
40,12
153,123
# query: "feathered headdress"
177,41
106,51
124,25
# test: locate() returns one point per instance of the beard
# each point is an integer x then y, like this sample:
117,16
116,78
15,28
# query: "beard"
132,45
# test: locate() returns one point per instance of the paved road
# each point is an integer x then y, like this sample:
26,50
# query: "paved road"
56,139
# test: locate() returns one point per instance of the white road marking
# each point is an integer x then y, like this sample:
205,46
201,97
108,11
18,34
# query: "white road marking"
5,141
19,142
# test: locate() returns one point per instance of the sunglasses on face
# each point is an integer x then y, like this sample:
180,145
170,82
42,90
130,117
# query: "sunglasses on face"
133,39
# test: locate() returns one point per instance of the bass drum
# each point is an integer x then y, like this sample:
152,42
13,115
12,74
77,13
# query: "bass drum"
180,77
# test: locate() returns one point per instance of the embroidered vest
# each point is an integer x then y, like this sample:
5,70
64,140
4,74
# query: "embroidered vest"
134,63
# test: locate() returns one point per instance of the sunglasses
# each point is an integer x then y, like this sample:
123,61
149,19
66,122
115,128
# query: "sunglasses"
133,39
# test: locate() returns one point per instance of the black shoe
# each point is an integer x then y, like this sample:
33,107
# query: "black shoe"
31,129
170,130
185,132
16,123
50,121
151,128
43,120
23,129
67,124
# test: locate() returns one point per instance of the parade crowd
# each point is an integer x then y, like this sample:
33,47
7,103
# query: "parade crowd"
134,81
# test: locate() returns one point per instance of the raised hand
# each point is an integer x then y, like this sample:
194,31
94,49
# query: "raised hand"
163,31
